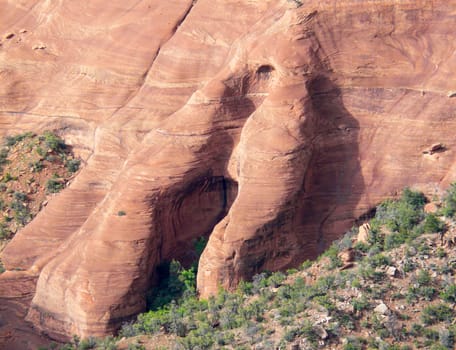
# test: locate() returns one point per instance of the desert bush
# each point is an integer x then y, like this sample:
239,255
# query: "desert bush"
449,201
446,338
440,252
379,260
3,157
12,140
52,141
353,346
259,281
108,343
54,185
72,165
449,294
22,213
276,279
8,177
5,232
131,329
431,334
20,196
86,344
334,260
201,338
37,166
432,224
427,292
136,346
401,217
199,245
360,304
306,264
423,278
175,282
325,301
434,313
246,288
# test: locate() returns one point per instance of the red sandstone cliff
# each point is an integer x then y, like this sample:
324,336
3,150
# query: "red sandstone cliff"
269,126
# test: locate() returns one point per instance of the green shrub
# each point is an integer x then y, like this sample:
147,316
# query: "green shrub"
446,338
354,343
37,166
431,334
416,330
5,232
107,343
52,141
54,185
199,244
401,215
306,264
86,344
334,260
22,213
424,278
8,177
73,165
20,196
427,292
360,304
276,279
41,152
136,346
434,313
449,201
378,260
440,252
245,288
432,224
12,140
326,302
3,157
414,198
449,294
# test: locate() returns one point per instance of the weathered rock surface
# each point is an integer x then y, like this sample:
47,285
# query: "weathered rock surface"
267,126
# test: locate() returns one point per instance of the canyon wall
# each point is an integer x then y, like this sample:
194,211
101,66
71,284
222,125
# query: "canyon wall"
265,125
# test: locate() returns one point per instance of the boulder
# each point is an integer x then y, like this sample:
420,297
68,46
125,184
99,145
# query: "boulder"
381,309
363,233
432,207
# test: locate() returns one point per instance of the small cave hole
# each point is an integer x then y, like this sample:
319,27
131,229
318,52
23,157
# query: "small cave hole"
265,71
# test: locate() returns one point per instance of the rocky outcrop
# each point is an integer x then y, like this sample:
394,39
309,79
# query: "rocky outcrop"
270,130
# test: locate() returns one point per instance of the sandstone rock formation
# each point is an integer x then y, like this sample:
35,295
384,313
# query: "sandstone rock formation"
267,125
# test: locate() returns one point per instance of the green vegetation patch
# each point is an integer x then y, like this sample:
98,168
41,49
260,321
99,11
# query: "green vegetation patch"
31,167
398,294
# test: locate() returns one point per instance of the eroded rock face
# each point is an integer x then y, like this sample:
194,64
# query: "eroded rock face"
267,126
